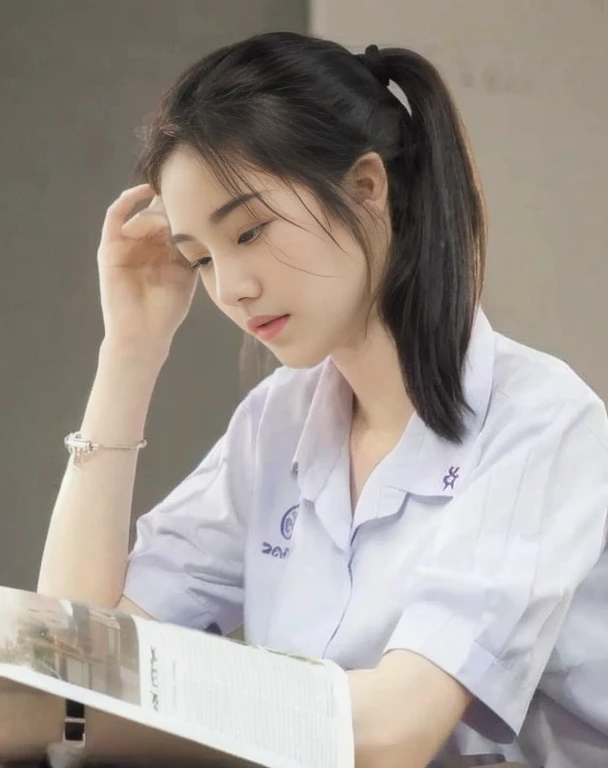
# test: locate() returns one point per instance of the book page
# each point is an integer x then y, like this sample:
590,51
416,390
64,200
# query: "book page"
290,710
259,706
87,647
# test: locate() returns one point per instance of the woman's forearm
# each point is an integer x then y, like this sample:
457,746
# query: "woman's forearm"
87,543
32,720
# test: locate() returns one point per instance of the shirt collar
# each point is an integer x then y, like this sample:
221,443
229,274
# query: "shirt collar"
326,427
422,463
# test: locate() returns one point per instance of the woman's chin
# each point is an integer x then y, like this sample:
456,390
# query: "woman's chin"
300,358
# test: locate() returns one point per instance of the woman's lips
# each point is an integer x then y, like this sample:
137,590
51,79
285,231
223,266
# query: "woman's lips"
271,329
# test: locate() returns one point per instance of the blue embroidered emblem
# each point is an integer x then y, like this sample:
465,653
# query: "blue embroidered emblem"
286,527
288,522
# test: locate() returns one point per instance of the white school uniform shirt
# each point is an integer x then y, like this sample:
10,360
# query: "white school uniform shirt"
486,557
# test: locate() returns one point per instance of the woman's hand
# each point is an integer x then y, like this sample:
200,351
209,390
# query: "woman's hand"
146,286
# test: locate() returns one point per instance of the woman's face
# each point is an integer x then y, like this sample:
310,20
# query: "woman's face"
255,264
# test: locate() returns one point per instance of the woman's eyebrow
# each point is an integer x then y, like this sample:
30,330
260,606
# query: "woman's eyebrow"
218,215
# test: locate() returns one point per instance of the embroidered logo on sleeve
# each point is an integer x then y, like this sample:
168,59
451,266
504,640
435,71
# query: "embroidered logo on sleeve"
288,522
450,478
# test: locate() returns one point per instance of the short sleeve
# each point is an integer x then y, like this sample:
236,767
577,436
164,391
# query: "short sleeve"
489,598
186,566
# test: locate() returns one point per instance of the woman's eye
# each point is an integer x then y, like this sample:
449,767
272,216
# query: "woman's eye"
244,239
201,263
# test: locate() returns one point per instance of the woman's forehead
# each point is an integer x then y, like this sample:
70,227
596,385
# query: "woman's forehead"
185,167
189,185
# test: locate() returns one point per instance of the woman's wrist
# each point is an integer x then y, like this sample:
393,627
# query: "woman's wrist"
148,357
121,395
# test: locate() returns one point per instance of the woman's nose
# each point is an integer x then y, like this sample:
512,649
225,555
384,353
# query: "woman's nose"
234,283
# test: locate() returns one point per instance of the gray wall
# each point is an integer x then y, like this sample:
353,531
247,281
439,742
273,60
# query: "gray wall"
75,80
531,79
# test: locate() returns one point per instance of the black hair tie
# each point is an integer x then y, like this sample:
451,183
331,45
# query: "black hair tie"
373,61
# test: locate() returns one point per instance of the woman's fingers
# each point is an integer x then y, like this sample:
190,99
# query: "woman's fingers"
121,207
150,222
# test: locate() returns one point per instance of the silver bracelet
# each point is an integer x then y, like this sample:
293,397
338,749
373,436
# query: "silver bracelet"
81,447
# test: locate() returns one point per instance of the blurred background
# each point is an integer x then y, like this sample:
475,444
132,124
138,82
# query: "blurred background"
77,79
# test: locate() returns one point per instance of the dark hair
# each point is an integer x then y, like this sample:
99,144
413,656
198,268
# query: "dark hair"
305,109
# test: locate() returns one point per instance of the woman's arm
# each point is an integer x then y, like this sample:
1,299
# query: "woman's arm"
145,294
31,720
403,711
85,554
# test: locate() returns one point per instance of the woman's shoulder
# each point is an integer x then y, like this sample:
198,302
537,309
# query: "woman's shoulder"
531,386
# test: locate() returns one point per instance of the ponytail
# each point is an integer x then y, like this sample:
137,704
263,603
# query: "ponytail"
434,276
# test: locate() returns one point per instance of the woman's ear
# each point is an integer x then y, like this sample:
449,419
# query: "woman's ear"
368,182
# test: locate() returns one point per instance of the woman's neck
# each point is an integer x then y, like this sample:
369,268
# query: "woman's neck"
372,369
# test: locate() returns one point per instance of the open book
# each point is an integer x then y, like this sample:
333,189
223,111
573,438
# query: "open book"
247,705
257,705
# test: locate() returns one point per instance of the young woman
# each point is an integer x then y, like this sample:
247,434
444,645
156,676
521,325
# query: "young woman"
410,494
